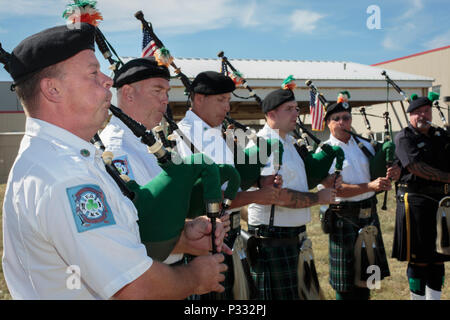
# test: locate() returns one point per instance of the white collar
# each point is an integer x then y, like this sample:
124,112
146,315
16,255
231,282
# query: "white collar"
338,142
62,137
273,134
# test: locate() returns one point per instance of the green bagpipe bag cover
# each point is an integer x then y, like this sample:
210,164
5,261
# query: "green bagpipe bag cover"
317,165
227,173
163,203
384,153
248,162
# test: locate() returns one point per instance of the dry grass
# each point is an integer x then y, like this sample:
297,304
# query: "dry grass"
393,288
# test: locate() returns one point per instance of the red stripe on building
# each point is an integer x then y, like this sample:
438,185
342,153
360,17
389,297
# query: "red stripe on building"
410,56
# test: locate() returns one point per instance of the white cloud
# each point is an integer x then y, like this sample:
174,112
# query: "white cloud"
32,7
305,21
249,18
404,31
439,41
171,16
415,7
175,16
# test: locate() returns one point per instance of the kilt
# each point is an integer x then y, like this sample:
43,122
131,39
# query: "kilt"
342,248
275,270
419,226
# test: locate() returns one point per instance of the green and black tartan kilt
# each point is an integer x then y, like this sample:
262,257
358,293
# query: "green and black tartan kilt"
342,249
276,268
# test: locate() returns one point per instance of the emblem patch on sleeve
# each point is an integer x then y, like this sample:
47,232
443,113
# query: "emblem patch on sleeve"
123,165
89,207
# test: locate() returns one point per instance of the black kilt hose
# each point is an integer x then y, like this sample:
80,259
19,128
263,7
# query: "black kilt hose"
348,221
276,268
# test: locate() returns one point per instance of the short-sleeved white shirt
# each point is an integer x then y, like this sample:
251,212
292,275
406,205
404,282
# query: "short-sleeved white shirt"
129,152
355,169
294,177
206,139
132,158
63,213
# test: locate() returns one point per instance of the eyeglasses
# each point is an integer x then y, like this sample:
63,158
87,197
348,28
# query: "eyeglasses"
344,118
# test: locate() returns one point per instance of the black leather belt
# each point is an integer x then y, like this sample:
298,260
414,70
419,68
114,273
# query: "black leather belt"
426,189
261,232
349,208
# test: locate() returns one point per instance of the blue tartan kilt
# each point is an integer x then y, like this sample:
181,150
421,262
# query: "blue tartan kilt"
275,272
342,250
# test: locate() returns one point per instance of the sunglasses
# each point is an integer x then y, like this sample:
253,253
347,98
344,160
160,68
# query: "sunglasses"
344,118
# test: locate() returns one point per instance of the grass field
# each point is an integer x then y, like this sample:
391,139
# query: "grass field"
393,288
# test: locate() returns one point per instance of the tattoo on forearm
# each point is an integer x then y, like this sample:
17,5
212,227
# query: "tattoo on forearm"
427,172
297,199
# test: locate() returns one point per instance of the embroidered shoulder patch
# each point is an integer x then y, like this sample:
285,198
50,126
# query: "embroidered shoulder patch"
89,207
123,165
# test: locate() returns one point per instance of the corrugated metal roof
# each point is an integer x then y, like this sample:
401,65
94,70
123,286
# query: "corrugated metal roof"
300,69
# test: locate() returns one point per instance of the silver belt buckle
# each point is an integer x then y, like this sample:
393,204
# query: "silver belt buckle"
365,213
236,220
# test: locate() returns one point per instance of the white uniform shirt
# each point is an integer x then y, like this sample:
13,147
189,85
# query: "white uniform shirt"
205,138
294,177
62,209
355,169
132,158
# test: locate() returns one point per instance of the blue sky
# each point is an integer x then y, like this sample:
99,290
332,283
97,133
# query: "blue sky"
254,29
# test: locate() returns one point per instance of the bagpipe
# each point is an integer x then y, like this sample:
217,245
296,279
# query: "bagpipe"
434,98
4,58
195,179
317,165
384,152
162,55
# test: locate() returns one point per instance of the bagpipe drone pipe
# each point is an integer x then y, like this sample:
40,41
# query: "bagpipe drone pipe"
184,188
163,56
161,218
317,165
384,152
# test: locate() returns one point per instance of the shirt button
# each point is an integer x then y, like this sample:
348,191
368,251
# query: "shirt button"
85,153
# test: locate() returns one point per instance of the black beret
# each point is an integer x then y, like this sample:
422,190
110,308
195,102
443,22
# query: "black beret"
419,102
49,47
276,98
337,107
140,69
211,82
